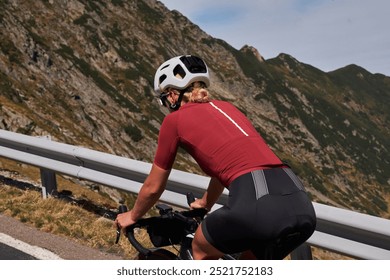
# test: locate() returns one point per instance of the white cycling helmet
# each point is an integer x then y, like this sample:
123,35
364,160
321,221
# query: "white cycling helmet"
180,72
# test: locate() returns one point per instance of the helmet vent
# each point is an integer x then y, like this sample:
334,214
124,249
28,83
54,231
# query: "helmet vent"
179,71
162,78
194,64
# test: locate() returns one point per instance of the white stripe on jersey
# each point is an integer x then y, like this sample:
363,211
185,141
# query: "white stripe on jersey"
229,118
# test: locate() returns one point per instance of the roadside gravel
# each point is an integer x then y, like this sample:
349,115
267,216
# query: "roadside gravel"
63,247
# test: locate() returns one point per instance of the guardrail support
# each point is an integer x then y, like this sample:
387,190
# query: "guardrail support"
49,182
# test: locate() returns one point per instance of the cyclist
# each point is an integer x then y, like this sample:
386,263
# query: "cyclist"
268,213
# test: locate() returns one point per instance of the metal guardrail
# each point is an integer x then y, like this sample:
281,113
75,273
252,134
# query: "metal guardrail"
343,231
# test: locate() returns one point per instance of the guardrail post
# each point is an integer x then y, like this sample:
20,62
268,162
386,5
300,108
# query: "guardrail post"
48,178
49,182
303,252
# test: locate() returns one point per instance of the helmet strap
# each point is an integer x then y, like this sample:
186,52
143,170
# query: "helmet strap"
177,104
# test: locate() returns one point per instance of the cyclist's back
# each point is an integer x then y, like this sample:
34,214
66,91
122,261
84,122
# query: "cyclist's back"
218,136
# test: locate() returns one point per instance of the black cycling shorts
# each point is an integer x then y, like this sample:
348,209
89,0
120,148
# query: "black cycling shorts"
268,212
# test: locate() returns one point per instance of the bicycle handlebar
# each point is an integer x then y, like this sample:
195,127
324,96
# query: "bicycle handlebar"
122,209
133,241
130,233
189,217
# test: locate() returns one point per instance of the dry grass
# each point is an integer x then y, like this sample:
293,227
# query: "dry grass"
321,254
63,219
58,216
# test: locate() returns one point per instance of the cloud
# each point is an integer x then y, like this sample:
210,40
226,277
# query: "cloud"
327,34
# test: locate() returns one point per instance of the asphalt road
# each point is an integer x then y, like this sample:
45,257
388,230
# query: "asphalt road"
19,241
10,253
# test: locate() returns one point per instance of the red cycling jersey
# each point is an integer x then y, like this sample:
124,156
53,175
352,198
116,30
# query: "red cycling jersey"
218,136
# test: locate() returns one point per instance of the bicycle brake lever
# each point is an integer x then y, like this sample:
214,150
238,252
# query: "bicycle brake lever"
190,198
118,234
122,209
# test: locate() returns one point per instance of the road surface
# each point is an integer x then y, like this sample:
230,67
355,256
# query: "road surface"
19,241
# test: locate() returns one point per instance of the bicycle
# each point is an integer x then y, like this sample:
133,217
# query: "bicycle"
170,228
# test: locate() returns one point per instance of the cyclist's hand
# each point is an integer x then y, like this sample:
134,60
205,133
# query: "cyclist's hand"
124,220
198,203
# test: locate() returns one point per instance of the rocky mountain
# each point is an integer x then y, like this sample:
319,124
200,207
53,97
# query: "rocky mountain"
82,71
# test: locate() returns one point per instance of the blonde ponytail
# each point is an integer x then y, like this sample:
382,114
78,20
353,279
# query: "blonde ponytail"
198,94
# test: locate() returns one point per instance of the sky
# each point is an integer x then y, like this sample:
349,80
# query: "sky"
327,34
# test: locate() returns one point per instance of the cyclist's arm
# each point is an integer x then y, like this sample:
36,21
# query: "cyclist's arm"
210,197
150,192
